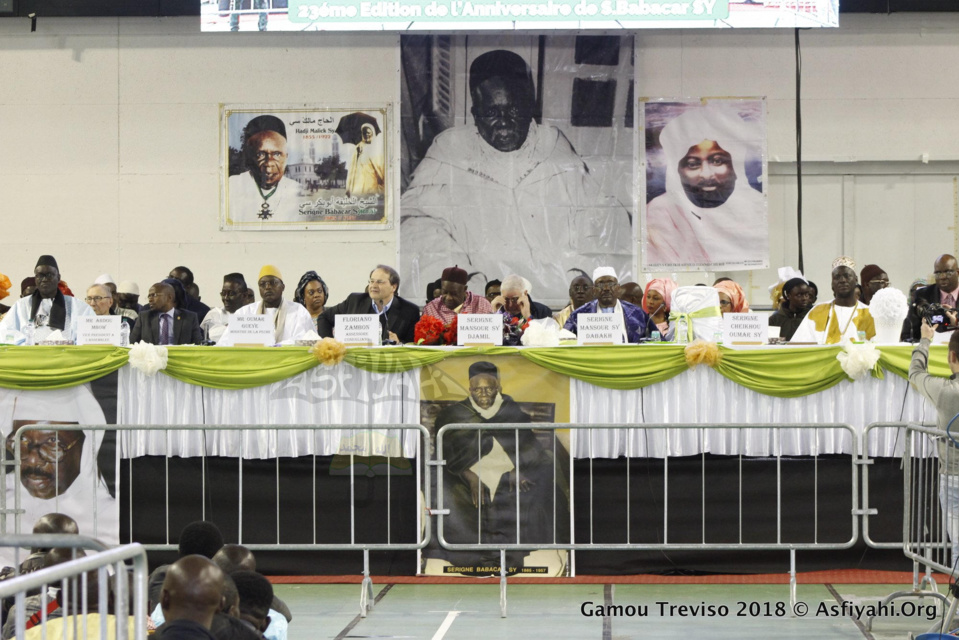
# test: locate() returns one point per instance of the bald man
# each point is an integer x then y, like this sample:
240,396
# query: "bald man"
191,595
944,291
163,323
236,557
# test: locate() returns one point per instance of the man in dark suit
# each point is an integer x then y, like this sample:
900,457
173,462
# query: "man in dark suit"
945,292
398,317
163,323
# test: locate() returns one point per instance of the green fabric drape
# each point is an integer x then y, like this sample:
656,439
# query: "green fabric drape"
57,367
781,372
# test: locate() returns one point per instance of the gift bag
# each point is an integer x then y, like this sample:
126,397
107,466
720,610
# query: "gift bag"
696,309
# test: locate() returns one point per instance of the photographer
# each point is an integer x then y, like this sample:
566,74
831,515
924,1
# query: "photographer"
944,293
944,394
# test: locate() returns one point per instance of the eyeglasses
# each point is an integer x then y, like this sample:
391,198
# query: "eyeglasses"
153,296
267,283
90,299
44,276
229,294
49,450
879,281
948,273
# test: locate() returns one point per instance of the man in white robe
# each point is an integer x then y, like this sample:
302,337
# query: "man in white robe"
840,319
47,307
291,320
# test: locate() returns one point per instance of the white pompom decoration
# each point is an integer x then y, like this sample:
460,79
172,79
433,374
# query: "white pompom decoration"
148,358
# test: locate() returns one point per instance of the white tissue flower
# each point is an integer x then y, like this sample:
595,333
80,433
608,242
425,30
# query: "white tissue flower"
148,358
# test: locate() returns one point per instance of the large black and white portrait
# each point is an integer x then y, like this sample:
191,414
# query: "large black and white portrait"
517,158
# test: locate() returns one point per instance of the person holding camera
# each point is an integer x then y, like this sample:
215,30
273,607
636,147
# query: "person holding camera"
935,300
944,394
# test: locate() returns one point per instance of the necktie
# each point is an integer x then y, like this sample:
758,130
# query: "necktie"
164,329
949,301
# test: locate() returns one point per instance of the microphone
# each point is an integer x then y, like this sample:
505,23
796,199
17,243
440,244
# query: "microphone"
649,318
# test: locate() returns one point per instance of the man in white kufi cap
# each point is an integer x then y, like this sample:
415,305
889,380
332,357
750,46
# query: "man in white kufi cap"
633,321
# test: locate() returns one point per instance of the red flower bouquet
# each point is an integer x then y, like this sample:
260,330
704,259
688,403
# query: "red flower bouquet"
449,334
428,331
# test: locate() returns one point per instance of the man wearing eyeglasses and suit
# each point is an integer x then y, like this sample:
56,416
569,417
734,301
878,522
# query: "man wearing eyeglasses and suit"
163,323
398,317
944,291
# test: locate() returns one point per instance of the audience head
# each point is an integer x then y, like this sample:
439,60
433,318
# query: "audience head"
493,289
192,590
179,292
434,290
233,293
256,596
947,273
55,523
815,292
27,287
606,285
100,298
581,291
732,298
161,297
193,290
383,283
183,274
312,293
632,293
916,284
235,557
202,538
873,278
659,293
453,287
47,276
513,289
250,296
798,295
128,296
271,286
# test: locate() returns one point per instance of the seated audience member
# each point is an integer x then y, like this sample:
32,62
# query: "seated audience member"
631,293
632,319
493,290
455,298
27,287
944,291
291,320
202,538
872,278
128,296
795,303
433,290
191,302
398,317
227,624
312,293
732,298
190,597
514,299
115,309
236,557
256,596
843,317
163,323
580,292
34,604
101,300
47,307
915,286
249,297
815,293
657,300
231,295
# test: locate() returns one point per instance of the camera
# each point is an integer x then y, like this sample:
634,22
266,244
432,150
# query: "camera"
935,314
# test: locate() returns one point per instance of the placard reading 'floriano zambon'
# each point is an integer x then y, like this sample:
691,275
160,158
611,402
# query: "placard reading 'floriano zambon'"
357,328
598,328
98,330
479,328
745,328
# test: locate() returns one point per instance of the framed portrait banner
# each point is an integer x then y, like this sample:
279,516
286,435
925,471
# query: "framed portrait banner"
704,204
297,167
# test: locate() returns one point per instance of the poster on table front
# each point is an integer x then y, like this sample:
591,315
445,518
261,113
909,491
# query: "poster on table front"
289,167
491,475
62,471
705,205
517,157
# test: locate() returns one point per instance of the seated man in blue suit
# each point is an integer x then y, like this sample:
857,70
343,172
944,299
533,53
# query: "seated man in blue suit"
163,323
633,320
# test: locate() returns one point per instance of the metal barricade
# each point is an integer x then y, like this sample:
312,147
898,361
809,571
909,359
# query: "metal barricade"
74,594
748,444
351,434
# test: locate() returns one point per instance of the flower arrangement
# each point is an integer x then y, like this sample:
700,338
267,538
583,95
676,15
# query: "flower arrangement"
431,331
148,358
888,308
328,351
702,352
513,329
858,359
541,333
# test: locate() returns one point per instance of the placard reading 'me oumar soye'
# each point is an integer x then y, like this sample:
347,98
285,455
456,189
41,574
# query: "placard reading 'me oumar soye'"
295,167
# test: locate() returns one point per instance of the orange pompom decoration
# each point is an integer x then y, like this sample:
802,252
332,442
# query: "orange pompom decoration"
702,352
329,351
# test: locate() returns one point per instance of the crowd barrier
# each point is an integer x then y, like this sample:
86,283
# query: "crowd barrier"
70,580
925,539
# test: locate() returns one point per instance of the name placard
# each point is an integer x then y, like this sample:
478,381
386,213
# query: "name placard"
98,330
745,328
598,328
252,330
358,328
479,328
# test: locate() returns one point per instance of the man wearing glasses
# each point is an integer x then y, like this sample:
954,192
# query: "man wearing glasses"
633,321
398,316
47,308
100,298
291,320
233,296
263,192
944,291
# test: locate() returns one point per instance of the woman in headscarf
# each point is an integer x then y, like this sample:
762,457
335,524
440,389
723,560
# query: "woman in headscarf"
312,293
872,278
732,298
657,299
796,301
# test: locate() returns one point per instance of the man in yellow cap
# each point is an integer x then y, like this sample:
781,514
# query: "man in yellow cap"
291,320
